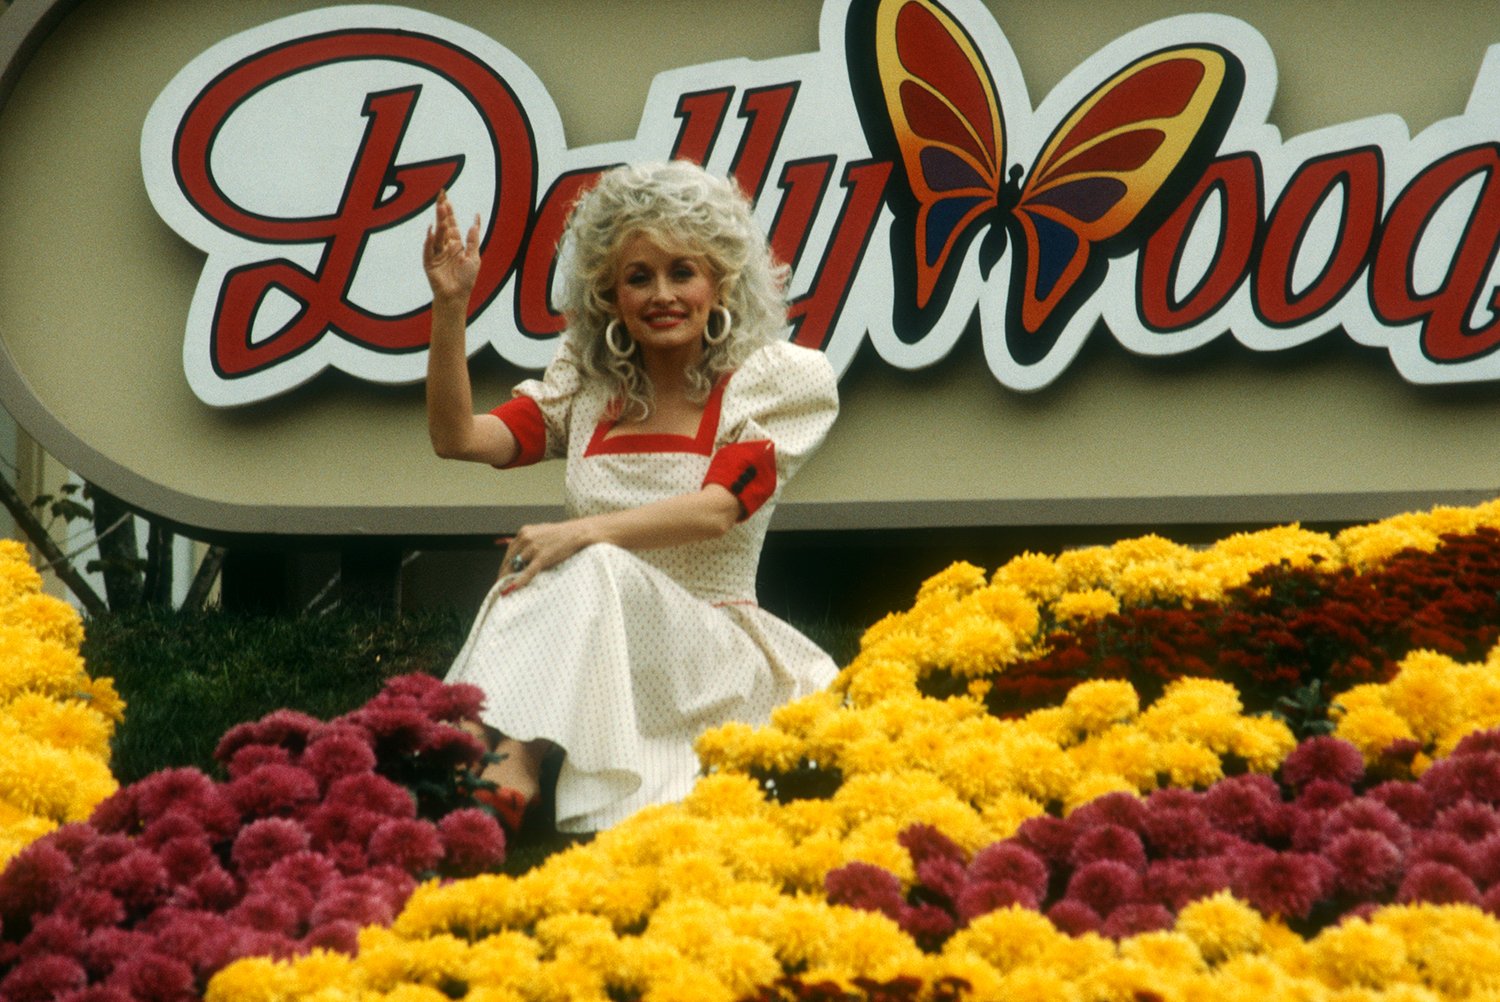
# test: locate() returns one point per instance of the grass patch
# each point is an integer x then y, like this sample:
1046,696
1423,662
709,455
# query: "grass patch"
188,677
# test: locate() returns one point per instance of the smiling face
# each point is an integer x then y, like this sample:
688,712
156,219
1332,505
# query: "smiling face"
663,296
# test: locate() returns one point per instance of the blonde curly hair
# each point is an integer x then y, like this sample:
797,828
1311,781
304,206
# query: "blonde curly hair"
680,206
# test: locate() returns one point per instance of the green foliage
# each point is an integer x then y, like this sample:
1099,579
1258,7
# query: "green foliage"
189,677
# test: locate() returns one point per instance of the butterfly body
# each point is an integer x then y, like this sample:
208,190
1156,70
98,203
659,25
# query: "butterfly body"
1105,175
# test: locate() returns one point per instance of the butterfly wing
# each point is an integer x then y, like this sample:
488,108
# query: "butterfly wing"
1111,169
930,106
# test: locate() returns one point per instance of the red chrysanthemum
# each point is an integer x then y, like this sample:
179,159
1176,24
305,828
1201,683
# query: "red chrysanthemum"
1441,847
158,977
252,757
1176,883
311,870
1325,758
138,879
92,908
1437,884
33,882
454,702
942,876
928,925
1181,832
413,845
349,904
1121,809
1366,814
1074,917
1410,802
272,790
475,840
267,912
186,857
1285,884
1105,885
1013,862
1050,838
263,842
1365,862
923,842
1239,805
865,886
1469,820
43,978
338,934
1132,920
980,897
338,751
174,824
1474,776
1108,841
107,948
1324,795
373,793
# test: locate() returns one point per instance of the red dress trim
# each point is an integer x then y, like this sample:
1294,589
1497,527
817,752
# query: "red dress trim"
747,470
700,444
524,419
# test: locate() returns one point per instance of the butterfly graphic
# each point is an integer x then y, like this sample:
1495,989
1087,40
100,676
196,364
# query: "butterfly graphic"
1118,162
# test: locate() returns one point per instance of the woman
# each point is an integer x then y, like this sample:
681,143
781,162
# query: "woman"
622,632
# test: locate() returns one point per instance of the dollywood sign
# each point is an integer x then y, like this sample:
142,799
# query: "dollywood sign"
901,169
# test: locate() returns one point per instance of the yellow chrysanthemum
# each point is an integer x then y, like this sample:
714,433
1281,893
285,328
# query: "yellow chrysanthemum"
1221,927
1076,607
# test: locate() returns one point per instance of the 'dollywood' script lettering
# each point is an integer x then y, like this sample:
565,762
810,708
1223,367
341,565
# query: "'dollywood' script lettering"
901,170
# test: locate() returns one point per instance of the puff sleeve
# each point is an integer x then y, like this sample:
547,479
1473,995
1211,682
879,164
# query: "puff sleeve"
538,411
776,410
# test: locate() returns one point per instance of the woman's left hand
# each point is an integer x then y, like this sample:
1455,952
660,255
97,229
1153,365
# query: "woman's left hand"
537,547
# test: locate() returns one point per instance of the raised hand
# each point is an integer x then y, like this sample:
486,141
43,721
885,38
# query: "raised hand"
450,259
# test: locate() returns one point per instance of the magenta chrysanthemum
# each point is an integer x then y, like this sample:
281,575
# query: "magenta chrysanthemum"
980,897
475,840
350,904
413,845
1324,795
1441,847
1177,882
138,879
454,702
1109,841
1408,801
1132,920
1475,776
928,925
263,842
1437,884
1469,820
338,751
33,882
185,857
942,875
43,978
1284,884
1121,809
923,842
1364,862
1180,832
1050,838
865,886
374,793
1239,805
1074,917
1324,758
338,934
1010,861
252,757
311,870
1105,885
272,790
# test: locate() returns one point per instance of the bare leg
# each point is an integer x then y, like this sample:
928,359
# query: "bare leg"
520,766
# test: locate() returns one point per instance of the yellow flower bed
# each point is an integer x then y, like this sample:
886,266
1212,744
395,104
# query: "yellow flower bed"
716,897
55,721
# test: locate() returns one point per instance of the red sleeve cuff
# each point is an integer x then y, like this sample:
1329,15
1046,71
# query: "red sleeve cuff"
524,419
747,470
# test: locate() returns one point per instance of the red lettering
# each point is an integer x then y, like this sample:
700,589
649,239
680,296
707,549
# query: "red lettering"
1237,179
1357,174
1446,334
814,314
767,109
534,314
802,183
364,207
702,117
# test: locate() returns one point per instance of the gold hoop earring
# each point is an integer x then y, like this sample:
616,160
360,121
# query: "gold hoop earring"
724,328
613,330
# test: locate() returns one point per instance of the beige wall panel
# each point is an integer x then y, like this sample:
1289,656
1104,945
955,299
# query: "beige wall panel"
94,291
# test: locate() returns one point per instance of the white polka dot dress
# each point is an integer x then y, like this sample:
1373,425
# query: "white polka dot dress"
622,658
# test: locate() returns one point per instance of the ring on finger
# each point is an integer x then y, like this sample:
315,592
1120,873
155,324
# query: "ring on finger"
518,563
